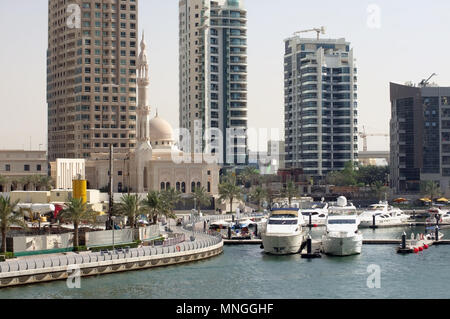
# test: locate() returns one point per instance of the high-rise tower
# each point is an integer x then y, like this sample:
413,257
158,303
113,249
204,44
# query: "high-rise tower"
321,108
213,74
91,77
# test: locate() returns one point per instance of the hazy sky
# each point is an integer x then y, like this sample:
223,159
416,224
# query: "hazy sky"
407,41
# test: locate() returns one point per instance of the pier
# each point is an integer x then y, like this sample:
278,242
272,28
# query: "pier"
232,242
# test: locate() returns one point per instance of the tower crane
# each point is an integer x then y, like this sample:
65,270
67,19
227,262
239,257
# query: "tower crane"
318,30
424,83
364,136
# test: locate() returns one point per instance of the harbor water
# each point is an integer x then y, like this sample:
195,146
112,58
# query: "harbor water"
246,272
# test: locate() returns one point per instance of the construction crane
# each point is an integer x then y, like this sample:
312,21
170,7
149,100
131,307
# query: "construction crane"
424,83
318,30
364,136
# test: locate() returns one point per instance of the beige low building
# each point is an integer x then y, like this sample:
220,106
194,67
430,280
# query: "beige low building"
64,171
17,164
25,197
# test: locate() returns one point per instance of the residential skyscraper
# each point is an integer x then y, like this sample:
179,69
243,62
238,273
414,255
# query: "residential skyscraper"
91,77
321,108
213,75
420,137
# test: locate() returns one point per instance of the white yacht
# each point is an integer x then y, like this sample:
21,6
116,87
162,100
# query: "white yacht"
385,216
342,237
318,212
341,206
444,215
284,233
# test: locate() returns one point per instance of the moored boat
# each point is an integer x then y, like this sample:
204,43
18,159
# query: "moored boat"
284,233
342,237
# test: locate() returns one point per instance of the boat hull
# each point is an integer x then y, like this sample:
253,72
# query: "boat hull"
282,244
342,246
380,224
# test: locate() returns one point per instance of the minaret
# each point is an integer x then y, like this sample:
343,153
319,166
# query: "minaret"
144,149
143,111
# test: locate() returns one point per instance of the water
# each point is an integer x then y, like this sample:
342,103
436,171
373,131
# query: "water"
245,272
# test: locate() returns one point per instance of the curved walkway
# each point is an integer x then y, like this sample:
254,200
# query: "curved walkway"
58,267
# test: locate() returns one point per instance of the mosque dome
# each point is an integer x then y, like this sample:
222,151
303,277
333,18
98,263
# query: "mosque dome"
161,132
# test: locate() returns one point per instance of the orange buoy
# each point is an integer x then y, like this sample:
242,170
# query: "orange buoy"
420,248
426,246
416,250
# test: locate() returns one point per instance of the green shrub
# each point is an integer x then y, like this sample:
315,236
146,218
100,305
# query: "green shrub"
80,248
4,256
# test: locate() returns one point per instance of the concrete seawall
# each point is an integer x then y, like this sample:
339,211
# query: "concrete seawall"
21,272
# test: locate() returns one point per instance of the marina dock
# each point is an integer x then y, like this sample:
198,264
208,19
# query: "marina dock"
231,242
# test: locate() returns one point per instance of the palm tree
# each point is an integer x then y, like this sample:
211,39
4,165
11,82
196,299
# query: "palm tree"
228,190
290,191
45,182
170,198
258,195
14,183
379,189
129,206
3,181
26,181
249,176
201,197
153,205
77,212
9,216
431,190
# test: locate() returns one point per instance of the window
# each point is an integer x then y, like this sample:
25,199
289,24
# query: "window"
26,168
39,168
8,167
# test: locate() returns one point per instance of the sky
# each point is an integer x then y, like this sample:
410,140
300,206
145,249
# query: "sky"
393,41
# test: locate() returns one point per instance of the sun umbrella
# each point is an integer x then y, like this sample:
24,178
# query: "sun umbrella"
443,199
426,200
400,200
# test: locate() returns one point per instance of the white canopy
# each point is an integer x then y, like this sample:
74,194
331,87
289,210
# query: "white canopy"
220,223
246,222
38,208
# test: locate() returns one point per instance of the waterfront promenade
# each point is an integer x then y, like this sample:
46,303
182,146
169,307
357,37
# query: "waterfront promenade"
24,271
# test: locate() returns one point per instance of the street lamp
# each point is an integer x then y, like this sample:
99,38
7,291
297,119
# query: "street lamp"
192,220
113,218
